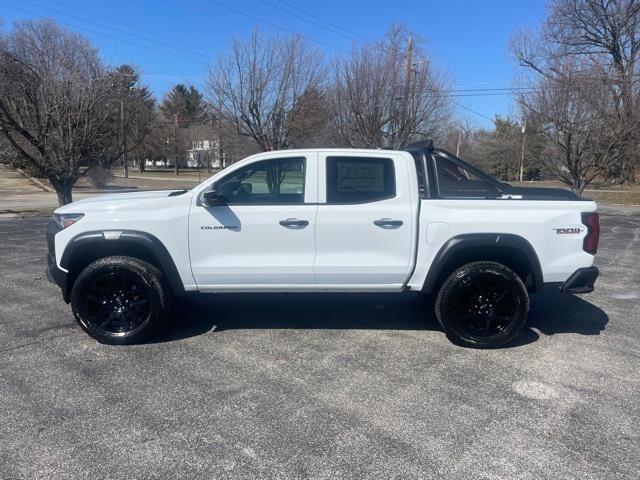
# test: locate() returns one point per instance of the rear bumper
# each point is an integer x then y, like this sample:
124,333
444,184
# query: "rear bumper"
581,281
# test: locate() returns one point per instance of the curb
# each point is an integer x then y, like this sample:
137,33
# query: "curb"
35,181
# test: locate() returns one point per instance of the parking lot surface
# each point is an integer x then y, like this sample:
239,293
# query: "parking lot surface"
321,386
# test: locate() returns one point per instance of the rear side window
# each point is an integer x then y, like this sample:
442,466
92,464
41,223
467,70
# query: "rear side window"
455,181
360,179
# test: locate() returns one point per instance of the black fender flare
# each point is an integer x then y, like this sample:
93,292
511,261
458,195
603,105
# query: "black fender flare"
483,242
145,240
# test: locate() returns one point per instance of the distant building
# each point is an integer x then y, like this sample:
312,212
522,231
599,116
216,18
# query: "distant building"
202,152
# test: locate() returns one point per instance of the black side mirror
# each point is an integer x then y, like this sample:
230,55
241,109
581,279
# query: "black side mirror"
212,198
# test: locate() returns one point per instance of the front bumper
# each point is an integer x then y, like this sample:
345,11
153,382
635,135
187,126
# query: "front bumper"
581,281
54,274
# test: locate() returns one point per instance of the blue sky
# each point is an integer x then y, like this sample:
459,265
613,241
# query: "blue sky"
466,38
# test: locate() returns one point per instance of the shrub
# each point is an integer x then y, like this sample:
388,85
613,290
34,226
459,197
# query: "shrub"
99,176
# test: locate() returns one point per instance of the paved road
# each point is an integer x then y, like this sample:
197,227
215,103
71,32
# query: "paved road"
321,386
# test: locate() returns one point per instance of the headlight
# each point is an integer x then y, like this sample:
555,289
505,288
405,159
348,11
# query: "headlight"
65,220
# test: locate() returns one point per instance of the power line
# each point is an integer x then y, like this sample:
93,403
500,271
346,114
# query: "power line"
128,25
508,89
289,12
116,29
493,94
473,111
106,35
355,34
279,27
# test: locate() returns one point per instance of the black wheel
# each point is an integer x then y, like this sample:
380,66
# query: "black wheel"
482,304
120,300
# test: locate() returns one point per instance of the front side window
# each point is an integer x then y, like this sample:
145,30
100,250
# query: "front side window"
455,181
278,181
359,179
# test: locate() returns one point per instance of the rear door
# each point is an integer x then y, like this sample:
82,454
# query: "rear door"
365,224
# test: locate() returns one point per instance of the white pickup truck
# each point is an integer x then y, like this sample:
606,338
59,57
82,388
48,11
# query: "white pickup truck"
327,220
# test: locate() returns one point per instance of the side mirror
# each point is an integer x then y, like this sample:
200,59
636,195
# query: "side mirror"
212,198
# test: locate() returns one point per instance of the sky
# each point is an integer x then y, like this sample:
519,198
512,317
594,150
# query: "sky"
173,41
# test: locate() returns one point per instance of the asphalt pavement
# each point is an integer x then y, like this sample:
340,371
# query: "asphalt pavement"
321,385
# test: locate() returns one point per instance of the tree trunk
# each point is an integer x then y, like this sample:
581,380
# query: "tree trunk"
579,185
141,165
64,189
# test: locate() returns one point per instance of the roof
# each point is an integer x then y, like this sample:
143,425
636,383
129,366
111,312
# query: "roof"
330,150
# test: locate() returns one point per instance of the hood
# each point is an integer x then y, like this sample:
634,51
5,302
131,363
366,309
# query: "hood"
117,198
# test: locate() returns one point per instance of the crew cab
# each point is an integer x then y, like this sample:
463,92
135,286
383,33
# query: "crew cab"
327,220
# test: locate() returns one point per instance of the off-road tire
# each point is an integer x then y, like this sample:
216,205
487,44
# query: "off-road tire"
482,305
128,295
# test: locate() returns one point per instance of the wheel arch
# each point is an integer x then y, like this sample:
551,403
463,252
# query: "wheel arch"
88,247
513,251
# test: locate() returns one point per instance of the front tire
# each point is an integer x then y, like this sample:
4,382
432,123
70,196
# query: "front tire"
482,305
120,300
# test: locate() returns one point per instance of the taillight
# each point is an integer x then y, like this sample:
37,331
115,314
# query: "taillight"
592,221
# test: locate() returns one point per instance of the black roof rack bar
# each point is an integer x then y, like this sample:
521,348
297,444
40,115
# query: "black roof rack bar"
426,144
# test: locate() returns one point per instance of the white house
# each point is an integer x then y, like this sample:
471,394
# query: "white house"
203,153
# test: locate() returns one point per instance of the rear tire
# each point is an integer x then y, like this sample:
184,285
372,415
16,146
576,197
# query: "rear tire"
120,300
482,305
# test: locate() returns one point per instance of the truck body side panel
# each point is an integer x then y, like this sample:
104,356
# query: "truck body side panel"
156,213
553,228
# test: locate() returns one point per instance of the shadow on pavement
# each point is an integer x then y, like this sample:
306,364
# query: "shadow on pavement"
551,313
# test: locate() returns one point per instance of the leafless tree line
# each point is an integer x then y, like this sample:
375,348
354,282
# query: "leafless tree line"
64,112
280,92
54,101
582,70
578,94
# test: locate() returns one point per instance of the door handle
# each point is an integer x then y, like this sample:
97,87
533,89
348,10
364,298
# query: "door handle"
388,223
294,222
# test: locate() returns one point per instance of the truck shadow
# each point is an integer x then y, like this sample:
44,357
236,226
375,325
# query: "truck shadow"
551,314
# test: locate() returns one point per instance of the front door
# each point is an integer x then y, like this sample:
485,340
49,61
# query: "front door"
263,237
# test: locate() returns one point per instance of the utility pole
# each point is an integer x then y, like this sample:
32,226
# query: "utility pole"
459,141
175,142
524,131
123,158
407,90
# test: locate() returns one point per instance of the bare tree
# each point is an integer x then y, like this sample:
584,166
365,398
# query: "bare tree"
603,38
388,94
232,146
149,135
143,138
259,85
575,113
132,120
53,101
